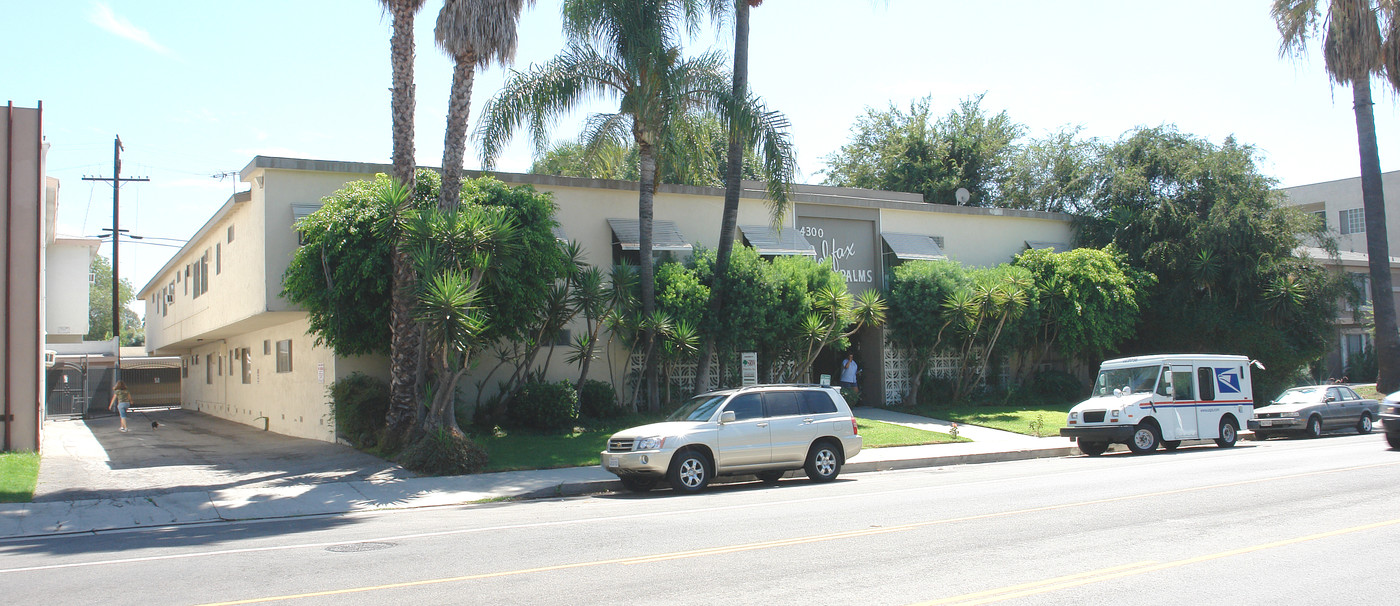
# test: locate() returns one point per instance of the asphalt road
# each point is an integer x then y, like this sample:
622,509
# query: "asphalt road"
1284,522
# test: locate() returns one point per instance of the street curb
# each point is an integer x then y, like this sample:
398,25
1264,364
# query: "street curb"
560,490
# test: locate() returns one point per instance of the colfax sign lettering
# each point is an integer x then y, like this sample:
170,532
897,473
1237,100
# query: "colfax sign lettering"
832,248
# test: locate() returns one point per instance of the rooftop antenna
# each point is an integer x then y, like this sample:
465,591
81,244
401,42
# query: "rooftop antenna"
225,174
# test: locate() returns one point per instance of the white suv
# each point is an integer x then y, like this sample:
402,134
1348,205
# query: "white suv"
764,430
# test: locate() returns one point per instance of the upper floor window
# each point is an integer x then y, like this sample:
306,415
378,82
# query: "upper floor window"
201,275
1352,221
230,233
284,356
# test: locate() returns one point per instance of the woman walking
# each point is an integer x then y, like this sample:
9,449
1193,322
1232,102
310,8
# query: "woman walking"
121,400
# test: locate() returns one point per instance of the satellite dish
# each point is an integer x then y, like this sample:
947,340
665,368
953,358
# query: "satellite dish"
962,195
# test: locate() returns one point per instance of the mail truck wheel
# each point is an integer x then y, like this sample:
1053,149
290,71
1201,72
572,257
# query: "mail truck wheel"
1229,434
1144,439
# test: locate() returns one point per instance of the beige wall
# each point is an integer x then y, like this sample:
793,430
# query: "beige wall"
67,264
1344,194
248,309
293,403
22,239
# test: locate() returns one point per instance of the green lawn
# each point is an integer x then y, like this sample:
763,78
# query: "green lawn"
876,434
1006,418
519,450
19,471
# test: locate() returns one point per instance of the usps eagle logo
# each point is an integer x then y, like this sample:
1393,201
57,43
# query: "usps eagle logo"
1227,380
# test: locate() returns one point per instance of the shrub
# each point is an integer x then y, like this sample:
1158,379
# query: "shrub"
360,403
934,391
1057,387
852,396
597,400
443,454
543,406
1362,366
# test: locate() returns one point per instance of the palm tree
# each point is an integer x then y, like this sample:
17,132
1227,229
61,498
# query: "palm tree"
474,33
779,176
1352,49
628,50
404,339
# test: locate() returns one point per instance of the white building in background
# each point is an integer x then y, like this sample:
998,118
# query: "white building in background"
1338,205
246,355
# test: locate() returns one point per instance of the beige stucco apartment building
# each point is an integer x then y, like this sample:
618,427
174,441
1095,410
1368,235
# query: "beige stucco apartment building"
246,355
1338,204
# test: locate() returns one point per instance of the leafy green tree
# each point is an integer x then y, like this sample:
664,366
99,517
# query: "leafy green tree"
100,307
743,313
898,151
454,251
981,310
1053,173
1353,51
340,274
918,321
1208,225
1088,302
628,50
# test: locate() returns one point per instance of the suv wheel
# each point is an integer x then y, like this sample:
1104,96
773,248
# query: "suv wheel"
823,462
690,472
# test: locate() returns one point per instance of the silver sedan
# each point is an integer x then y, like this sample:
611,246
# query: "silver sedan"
1314,409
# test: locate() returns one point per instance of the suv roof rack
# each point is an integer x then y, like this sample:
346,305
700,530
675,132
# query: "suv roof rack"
762,385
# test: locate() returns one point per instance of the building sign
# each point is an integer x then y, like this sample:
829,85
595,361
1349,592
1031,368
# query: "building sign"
849,244
748,363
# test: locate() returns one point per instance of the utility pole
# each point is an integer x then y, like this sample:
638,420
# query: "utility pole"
116,181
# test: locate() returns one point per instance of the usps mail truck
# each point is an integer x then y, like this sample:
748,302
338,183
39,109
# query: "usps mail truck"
1145,401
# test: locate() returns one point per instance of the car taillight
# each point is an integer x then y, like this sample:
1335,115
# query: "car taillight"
854,430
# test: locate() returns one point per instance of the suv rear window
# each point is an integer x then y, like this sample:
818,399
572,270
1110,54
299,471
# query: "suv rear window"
782,403
816,402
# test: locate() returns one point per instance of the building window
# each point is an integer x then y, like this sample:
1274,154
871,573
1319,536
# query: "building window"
247,358
230,234
208,369
218,259
267,347
201,275
1321,218
284,356
184,367
1362,283
1352,221
187,279
220,362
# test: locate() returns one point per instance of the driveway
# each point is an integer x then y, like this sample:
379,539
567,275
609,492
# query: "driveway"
189,451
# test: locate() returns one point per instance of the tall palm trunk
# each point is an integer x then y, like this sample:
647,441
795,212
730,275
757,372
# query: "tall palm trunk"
646,197
404,351
1377,241
734,173
459,107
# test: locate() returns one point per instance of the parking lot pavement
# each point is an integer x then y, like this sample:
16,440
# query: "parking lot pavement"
187,451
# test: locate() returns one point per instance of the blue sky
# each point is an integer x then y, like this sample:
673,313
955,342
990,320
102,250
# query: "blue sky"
198,88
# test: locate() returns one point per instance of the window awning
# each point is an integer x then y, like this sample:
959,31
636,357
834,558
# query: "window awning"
772,242
1058,247
300,211
912,247
664,235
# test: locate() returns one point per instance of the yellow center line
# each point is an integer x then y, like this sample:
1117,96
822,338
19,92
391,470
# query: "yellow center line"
793,541
1109,574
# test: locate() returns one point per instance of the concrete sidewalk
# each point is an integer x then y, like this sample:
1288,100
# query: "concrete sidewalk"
380,486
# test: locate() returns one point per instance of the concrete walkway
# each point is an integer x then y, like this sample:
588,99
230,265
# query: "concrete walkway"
196,469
